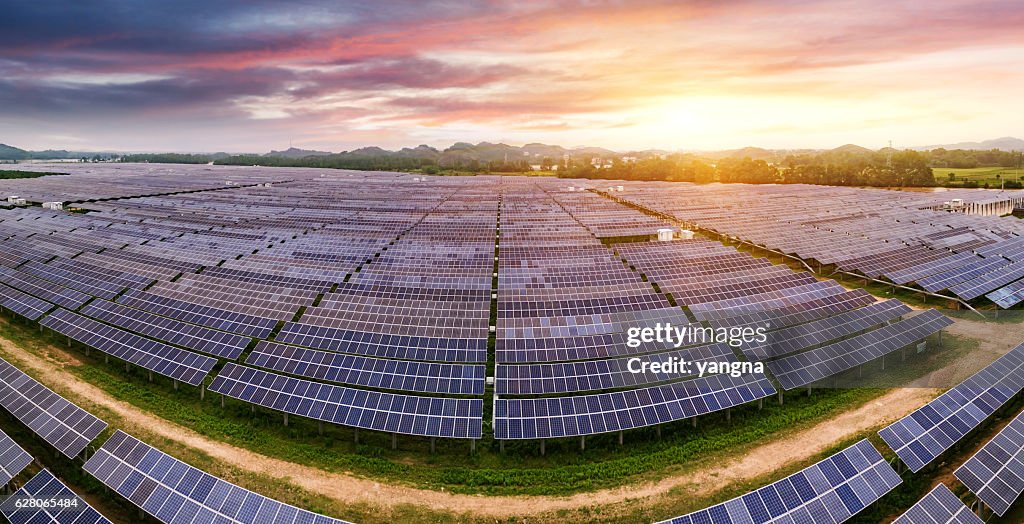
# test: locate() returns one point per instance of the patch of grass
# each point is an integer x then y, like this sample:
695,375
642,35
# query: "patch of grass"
9,174
993,176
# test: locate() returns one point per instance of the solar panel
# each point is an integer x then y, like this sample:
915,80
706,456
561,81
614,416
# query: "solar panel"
813,365
178,364
830,491
743,305
952,277
389,412
210,341
92,286
939,506
989,281
800,312
175,492
592,375
13,459
925,269
62,424
400,375
996,472
1008,296
796,338
199,314
22,303
43,289
923,435
66,506
532,418
407,347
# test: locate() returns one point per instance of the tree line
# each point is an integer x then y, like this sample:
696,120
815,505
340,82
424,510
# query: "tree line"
869,168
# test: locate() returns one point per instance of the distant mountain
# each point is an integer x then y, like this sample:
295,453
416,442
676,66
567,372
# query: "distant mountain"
851,148
294,152
1006,143
12,153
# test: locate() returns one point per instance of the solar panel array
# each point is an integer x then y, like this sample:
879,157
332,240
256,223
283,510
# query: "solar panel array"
53,418
810,366
67,506
900,236
530,418
929,431
939,506
174,492
178,364
13,459
381,289
393,413
830,491
996,472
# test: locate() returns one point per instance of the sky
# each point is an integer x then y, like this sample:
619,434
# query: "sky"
251,76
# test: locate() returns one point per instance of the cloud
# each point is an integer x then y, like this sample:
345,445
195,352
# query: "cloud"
531,67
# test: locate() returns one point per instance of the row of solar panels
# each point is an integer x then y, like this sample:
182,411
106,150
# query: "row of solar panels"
967,255
166,488
838,487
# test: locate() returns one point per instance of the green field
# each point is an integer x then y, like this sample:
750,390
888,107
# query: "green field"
993,176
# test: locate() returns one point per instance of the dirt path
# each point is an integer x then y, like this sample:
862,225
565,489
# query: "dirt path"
756,462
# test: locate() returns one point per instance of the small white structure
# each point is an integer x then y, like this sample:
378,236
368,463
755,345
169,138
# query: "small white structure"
665,234
620,188
12,199
229,183
268,184
686,234
572,188
56,206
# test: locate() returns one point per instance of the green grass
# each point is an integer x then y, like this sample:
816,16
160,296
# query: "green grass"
7,174
982,175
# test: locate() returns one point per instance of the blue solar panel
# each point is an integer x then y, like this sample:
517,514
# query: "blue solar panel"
389,412
1009,296
795,338
989,281
65,507
926,433
406,347
93,286
593,375
799,312
178,364
939,506
22,303
219,343
996,472
43,289
831,491
400,375
810,366
13,459
952,277
64,425
175,492
605,412
211,317
933,267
